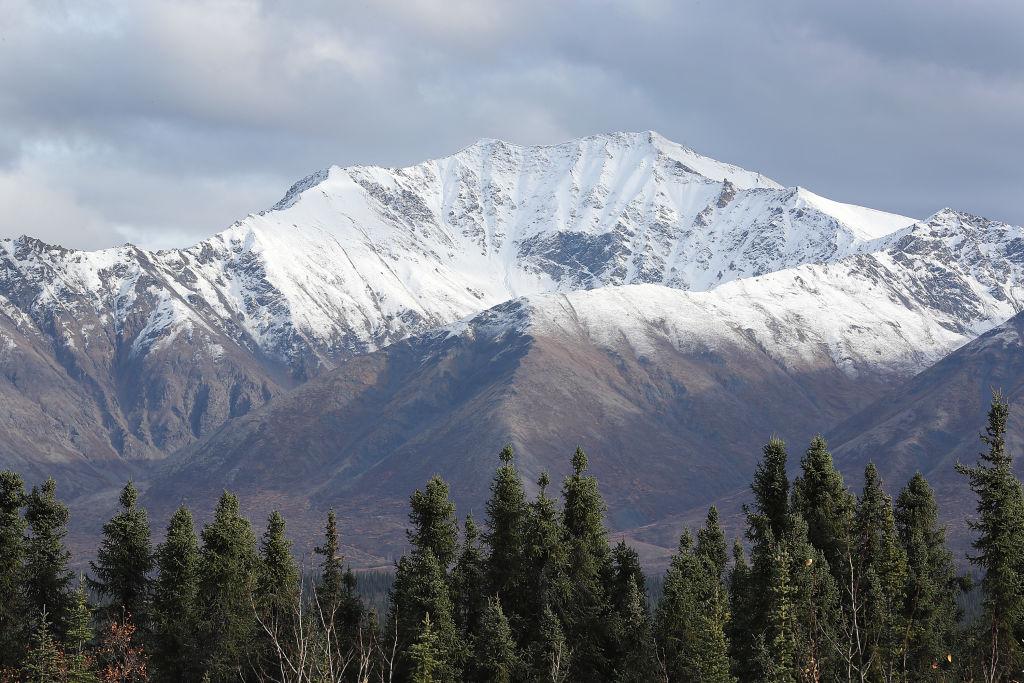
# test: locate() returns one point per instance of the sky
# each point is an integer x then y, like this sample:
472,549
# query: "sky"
160,123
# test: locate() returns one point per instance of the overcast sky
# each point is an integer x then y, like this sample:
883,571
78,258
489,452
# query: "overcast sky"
161,123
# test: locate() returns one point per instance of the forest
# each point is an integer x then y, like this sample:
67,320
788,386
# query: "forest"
828,584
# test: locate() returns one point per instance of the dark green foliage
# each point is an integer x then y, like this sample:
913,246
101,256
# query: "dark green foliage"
588,567
432,518
1000,547
227,575
711,544
47,577
44,662
277,595
929,611
469,582
777,642
881,572
124,561
504,535
331,584
13,634
421,590
771,487
175,608
545,580
422,584
80,634
425,655
821,498
495,655
691,618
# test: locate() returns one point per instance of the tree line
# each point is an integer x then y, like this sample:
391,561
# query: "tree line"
828,586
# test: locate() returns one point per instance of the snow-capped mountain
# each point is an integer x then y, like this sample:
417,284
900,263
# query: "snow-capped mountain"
128,353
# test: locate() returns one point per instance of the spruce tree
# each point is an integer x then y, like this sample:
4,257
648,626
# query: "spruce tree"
425,655
821,498
930,612
881,567
777,642
277,594
771,487
546,588
124,561
690,619
227,575
554,655
504,536
817,607
1000,539
337,600
331,582
742,650
588,568
432,518
80,634
711,544
174,612
495,655
422,583
44,661
421,588
13,607
469,582
636,656
47,577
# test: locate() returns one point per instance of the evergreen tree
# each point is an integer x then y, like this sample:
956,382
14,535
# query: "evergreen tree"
546,588
1000,539
422,584
277,592
331,583
777,643
44,662
930,612
554,654
124,561
432,518
13,607
691,618
47,577
587,570
821,498
469,582
425,655
421,590
227,575
741,648
80,634
711,544
504,537
881,567
636,658
817,607
771,487
175,608
495,656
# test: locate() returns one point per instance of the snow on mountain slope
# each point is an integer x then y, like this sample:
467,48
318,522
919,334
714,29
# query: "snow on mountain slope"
353,259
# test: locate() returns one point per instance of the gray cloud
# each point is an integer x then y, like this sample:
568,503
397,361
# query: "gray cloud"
162,122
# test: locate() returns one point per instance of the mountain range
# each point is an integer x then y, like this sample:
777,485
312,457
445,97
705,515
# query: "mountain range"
667,311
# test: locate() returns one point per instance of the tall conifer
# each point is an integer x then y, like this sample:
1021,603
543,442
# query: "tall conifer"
124,561
174,640
13,607
504,535
588,568
930,612
47,577
227,576
1000,546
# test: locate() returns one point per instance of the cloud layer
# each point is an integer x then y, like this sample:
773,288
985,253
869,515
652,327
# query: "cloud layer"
161,122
